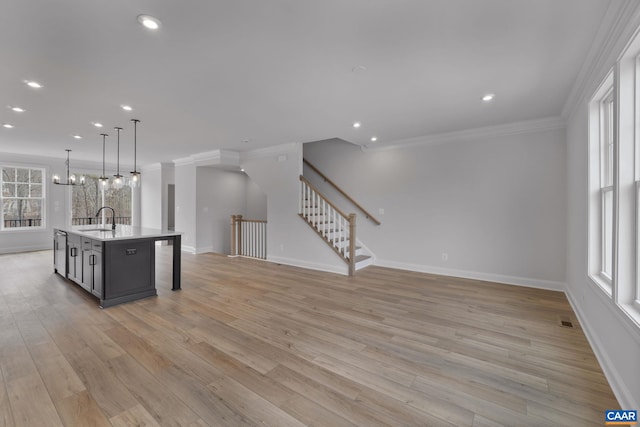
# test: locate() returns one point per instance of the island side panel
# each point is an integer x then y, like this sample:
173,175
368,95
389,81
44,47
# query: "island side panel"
129,270
177,267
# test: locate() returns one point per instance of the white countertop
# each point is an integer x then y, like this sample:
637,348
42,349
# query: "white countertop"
122,232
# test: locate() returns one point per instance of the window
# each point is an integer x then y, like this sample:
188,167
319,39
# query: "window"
22,198
614,184
606,185
602,146
87,199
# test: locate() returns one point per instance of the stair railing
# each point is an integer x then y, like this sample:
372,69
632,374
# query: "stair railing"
341,191
248,237
335,227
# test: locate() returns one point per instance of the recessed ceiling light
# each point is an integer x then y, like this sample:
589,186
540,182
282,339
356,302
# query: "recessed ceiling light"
356,125
149,22
8,126
33,84
126,107
374,138
488,97
96,124
77,136
18,109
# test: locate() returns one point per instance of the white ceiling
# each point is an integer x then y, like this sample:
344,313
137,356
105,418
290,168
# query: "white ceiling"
278,71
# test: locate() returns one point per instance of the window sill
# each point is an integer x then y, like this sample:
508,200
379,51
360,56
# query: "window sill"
603,284
23,230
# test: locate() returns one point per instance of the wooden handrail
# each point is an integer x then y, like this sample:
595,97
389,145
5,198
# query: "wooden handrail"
314,188
327,213
341,191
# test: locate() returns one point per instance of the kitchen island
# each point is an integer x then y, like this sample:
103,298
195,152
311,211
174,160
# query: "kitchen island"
117,265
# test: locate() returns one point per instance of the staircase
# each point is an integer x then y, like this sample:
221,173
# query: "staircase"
336,228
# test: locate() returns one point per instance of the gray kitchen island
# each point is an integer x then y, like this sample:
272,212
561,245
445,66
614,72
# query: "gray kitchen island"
117,265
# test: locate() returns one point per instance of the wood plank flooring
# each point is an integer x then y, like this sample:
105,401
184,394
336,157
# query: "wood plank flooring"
252,343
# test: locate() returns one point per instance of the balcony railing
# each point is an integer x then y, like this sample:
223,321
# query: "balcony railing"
17,223
248,237
37,222
124,220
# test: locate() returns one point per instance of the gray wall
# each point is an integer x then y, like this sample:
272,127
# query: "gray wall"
221,194
495,206
206,197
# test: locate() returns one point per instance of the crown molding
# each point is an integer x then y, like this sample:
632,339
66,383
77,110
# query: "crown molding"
184,161
151,168
275,150
619,24
217,158
517,128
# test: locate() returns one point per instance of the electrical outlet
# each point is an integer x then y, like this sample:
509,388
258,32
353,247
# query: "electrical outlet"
381,211
445,256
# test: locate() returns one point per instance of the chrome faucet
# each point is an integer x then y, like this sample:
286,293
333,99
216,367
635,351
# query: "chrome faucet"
113,216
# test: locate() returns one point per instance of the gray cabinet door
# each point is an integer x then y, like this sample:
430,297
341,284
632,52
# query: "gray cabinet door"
97,270
74,256
87,269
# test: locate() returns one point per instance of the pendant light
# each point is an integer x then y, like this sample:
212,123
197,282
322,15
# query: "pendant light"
118,180
135,175
104,179
71,179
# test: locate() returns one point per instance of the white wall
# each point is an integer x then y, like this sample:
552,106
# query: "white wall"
185,180
155,180
58,203
614,338
290,240
494,205
151,197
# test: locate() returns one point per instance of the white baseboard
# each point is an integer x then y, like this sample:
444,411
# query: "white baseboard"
615,378
487,277
204,249
310,265
190,249
17,249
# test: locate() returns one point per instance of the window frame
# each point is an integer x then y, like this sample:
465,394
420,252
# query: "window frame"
607,171
91,178
599,170
42,198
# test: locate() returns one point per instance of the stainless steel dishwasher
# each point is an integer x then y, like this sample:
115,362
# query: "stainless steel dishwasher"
60,252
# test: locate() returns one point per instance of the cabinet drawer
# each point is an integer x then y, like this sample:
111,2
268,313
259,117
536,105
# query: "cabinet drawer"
96,245
86,244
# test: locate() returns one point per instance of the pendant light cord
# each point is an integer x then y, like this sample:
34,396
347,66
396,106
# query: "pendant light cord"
118,163
135,144
104,135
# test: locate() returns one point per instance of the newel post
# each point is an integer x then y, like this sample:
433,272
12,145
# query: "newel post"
232,248
239,234
235,235
352,244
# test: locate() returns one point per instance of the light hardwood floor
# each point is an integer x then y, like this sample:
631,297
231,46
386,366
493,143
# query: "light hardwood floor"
253,343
